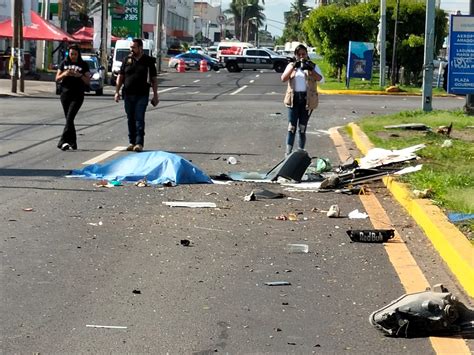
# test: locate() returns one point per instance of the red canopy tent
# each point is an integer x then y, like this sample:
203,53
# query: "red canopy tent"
86,34
40,29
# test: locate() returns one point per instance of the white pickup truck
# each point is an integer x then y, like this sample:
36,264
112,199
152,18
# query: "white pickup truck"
255,58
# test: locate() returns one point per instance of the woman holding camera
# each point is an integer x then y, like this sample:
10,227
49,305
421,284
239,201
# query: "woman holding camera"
301,96
73,76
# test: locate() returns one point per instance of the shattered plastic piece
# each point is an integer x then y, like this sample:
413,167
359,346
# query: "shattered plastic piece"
190,204
137,292
298,248
142,183
445,130
250,197
115,183
28,209
292,217
357,215
459,217
411,126
376,157
429,313
371,235
422,193
447,143
267,194
277,283
281,217
185,242
105,326
231,160
333,212
322,165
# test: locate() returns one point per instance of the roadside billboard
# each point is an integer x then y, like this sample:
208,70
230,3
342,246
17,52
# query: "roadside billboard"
461,55
359,61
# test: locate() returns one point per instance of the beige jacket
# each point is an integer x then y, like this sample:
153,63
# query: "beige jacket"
312,99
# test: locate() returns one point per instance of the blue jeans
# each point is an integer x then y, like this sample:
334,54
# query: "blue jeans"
135,107
298,118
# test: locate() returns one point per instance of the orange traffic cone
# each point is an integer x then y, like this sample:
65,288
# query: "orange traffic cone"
181,66
203,66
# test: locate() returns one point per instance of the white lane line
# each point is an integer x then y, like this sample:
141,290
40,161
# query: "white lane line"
105,155
169,89
197,81
251,81
238,90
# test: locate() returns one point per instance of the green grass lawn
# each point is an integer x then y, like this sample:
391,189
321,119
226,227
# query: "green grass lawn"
365,85
447,171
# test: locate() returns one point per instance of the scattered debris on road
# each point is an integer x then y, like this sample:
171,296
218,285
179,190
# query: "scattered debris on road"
190,204
371,235
428,313
277,283
298,248
105,326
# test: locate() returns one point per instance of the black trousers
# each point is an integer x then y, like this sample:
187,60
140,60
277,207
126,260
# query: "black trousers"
71,102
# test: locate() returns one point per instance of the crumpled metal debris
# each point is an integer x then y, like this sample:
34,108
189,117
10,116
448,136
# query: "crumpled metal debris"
427,313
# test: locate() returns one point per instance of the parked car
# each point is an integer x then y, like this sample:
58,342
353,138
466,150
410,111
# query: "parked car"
196,49
192,61
212,51
97,74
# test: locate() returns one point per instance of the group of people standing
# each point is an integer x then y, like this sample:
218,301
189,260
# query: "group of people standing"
138,74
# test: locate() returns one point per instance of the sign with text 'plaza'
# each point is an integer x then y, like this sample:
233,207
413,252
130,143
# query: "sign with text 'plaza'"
461,55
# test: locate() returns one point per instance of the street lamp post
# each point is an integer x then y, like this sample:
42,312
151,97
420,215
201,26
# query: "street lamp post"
242,8
248,22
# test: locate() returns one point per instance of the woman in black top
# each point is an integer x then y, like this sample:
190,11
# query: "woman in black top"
74,76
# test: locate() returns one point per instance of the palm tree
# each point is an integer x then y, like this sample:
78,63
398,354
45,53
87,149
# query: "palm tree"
296,16
242,11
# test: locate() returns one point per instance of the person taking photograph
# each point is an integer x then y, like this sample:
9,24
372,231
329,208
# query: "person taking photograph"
73,76
301,96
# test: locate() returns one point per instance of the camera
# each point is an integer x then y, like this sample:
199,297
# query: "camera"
307,65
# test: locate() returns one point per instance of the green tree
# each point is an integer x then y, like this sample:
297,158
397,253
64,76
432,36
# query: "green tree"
330,28
297,14
242,11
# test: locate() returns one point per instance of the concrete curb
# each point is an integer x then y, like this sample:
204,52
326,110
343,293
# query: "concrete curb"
453,247
367,92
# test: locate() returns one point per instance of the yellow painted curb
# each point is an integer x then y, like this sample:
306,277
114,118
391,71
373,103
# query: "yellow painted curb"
368,92
451,244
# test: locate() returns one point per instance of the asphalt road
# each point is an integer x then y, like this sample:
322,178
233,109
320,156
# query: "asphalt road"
75,255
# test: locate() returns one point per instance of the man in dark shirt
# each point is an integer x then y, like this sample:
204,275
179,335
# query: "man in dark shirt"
137,73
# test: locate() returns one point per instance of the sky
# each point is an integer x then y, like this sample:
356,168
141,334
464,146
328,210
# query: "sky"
274,10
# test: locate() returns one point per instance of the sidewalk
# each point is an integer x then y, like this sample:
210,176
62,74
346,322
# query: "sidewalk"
32,88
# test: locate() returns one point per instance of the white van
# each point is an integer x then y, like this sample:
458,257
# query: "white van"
232,48
122,50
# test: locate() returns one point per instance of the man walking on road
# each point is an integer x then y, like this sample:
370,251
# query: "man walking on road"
137,74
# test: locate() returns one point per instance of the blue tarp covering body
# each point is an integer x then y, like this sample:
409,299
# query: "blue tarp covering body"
157,167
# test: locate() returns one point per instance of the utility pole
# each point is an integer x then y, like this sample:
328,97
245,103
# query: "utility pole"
104,35
394,52
21,58
428,63
17,23
383,46
159,33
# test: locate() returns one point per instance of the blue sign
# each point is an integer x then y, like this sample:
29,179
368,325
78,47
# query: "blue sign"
359,62
461,55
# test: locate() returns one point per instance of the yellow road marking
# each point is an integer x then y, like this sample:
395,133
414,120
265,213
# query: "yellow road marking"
409,273
105,155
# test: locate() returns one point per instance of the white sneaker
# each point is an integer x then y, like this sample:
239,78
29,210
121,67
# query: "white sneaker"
65,146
